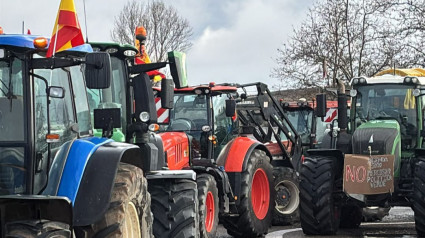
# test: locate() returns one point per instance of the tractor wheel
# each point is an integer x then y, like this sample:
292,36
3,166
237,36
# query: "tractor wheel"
208,205
287,197
256,199
318,213
419,196
128,214
175,208
37,228
351,217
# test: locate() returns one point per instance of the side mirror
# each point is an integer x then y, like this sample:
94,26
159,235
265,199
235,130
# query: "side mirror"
56,92
177,62
230,107
167,93
321,105
98,70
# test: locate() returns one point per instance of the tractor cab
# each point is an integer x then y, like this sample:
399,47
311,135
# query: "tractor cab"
390,104
38,112
200,112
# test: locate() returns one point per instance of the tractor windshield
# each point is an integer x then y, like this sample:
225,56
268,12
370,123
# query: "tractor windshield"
387,101
301,119
189,113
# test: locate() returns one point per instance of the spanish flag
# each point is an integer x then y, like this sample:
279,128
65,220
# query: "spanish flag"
66,32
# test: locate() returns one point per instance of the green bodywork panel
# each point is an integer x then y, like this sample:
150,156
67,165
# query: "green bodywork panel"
388,124
117,135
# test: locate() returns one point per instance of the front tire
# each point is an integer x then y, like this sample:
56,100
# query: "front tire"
128,214
37,228
175,208
208,205
419,197
256,199
318,213
287,197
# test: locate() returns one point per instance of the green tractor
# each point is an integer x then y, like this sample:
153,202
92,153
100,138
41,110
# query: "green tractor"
378,158
173,193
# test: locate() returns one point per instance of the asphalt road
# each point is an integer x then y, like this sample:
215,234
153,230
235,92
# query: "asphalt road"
399,223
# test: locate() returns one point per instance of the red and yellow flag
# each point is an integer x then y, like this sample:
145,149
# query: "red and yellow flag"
66,32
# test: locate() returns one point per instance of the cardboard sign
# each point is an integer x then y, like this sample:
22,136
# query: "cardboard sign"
365,174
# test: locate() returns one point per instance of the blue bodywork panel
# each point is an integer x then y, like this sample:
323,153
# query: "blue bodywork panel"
27,41
79,154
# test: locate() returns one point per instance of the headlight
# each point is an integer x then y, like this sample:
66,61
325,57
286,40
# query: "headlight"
198,91
355,81
353,92
362,80
2,53
144,116
129,53
96,49
416,92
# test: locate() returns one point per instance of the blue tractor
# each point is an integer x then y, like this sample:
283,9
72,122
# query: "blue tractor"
56,179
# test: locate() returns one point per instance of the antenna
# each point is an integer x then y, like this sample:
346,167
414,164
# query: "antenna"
23,27
85,21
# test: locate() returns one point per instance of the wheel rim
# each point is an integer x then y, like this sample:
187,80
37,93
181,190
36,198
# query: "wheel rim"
287,197
131,223
210,211
260,194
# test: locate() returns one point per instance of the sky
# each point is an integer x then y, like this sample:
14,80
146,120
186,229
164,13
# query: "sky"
234,40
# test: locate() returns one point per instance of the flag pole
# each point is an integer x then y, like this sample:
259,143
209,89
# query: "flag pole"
53,55
85,21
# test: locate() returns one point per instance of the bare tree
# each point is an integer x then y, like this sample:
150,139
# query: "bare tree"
351,37
166,30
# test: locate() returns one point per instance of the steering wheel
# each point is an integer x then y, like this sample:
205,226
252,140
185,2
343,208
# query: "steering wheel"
182,124
391,112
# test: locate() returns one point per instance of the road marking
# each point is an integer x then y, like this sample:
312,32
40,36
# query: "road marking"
279,234
389,223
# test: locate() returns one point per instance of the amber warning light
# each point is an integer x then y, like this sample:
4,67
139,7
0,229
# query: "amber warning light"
40,43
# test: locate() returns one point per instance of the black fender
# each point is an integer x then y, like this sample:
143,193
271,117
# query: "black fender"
34,207
225,192
94,193
338,155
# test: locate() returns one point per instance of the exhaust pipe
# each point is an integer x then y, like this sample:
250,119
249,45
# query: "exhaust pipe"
342,106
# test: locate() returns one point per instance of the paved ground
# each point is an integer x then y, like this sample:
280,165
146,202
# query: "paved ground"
399,223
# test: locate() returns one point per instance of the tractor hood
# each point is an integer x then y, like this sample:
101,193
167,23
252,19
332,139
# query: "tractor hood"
383,137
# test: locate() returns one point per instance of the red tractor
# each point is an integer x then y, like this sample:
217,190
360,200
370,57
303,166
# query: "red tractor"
234,173
234,169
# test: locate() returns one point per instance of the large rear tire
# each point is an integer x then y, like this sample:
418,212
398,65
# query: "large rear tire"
208,205
129,212
419,196
37,228
175,208
318,213
287,197
256,199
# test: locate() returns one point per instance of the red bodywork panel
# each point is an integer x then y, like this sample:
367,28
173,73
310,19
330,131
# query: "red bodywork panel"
237,153
176,144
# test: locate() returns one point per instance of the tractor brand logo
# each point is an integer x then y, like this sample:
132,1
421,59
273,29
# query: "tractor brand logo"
371,139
